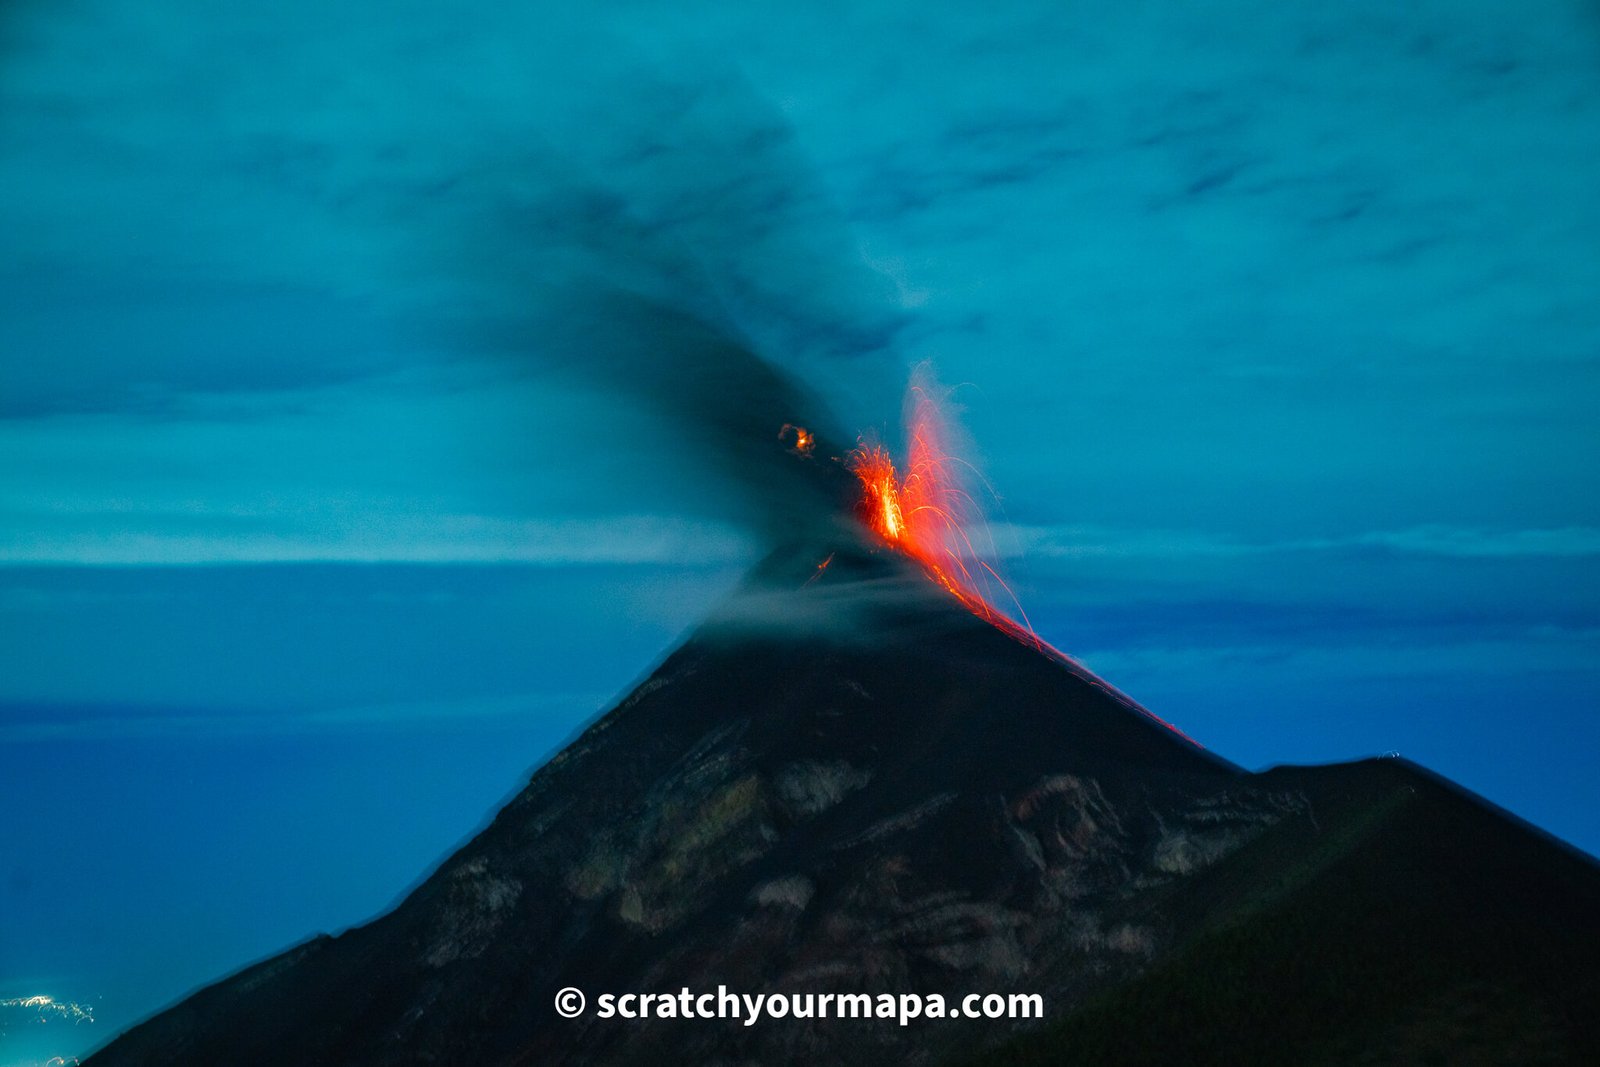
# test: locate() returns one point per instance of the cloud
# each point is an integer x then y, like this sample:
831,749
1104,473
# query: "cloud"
1361,655
55,722
1568,542
365,538
1449,542
646,230
1344,258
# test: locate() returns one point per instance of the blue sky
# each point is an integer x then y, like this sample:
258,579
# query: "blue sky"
1273,328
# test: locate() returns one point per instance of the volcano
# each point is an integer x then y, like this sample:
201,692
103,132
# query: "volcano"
846,782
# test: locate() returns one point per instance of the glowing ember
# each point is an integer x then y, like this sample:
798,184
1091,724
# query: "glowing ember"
804,439
821,567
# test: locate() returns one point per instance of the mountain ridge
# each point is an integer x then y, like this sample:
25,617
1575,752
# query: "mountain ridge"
844,781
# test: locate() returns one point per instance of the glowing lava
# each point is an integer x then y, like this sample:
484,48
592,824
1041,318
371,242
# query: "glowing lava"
880,483
930,516
928,513
804,439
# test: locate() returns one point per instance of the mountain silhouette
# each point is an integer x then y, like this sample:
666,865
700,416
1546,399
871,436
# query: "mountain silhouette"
845,782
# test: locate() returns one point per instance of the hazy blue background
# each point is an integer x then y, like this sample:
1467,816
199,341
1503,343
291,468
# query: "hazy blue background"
1279,325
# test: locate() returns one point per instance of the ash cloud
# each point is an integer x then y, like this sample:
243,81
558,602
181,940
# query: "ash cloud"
681,261
369,210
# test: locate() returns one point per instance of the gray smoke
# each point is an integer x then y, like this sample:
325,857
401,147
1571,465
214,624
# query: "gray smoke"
675,252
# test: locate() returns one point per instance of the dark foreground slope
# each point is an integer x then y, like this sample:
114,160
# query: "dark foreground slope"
1408,922
848,784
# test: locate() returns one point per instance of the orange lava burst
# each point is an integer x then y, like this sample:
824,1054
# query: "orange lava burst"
928,513
881,486
930,516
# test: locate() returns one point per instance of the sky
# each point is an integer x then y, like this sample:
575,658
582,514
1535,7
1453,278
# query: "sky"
355,446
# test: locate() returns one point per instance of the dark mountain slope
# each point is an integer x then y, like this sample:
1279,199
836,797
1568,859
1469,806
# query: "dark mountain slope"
1408,922
847,783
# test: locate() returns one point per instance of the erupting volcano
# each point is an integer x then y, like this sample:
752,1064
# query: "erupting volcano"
864,773
860,777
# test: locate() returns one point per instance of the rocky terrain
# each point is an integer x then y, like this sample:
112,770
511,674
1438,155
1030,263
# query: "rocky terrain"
843,783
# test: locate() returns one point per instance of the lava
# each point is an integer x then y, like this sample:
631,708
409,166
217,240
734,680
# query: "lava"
883,493
928,513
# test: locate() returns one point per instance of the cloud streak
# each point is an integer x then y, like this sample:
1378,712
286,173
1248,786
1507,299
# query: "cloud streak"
624,539
32,722
1439,541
